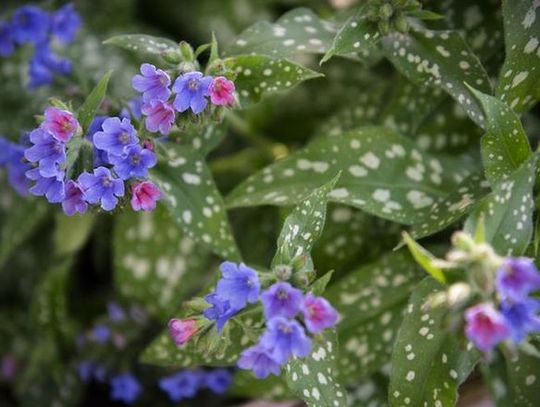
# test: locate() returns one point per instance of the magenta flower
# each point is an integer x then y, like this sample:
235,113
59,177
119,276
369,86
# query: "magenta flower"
516,278
222,91
153,83
60,123
144,196
318,314
286,338
181,330
485,326
74,199
281,299
259,359
160,116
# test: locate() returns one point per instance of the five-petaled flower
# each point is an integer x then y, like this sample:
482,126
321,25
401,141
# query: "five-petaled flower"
222,91
281,299
101,187
239,284
135,162
191,90
153,83
144,196
115,136
125,387
286,338
485,326
60,123
516,278
259,359
318,314
160,116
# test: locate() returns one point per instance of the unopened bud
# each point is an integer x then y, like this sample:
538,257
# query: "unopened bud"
186,51
386,11
283,272
401,24
458,294
172,56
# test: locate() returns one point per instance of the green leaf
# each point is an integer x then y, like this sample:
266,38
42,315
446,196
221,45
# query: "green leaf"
247,386
507,212
259,76
303,226
298,31
428,362
441,59
92,103
204,139
424,258
383,174
505,146
71,233
156,265
495,377
193,199
143,44
314,378
523,377
519,83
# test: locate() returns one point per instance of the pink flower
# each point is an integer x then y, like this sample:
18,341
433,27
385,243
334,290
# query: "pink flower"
222,91
181,330
145,194
61,124
486,327
318,314
159,116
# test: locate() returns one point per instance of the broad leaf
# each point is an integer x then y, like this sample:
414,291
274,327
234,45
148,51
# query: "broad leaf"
72,232
523,377
247,386
92,103
143,44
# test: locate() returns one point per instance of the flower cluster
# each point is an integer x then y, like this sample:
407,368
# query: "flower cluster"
191,92
118,158
187,383
285,334
33,25
514,314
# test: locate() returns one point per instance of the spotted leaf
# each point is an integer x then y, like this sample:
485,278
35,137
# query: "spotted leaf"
248,386
143,44
193,199
519,83
523,376
428,362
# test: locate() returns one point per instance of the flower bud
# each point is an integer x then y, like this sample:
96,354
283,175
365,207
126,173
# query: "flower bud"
386,11
283,272
186,52
182,330
458,294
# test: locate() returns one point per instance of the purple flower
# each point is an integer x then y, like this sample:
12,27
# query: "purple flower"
144,196
522,317
318,314
191,90
101,333
218,380
30,25
6,151
50,187
220,311
116,312
238,285
7,41
281,299
286,338
116,136
181,330
60,123
181,385
65,23
516,278
47,150
485,326
74,201
160,116
101,158
125,387
44,65
17,169
153,83
258,359
101,187
134,109
134,163
85,370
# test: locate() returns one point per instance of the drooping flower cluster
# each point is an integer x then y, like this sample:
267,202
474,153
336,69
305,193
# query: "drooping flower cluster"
35,26
515,314
187,383
118,155
191,91
285,335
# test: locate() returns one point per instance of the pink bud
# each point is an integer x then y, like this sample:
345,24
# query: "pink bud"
144,196
181,330
318,314
222,91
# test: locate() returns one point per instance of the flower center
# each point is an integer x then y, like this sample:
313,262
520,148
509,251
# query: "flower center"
282,294
124,137
135,159
193,84
286,329
106,182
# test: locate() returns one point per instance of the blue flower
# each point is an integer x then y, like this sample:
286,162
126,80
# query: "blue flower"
65,23
220,311
281,299
85,370
101,158
7,41
153,83
50,187
12,157
48,151
181,385
516,278
134,163
30,25
134,109
116,312
44,65
101,187
218,380
239,285
191,90
116,136
74,201
259,359
285,338
522,317
101,333
125,387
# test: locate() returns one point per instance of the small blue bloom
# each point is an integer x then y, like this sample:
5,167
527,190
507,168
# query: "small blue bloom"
522,317
134,163
191,90
85,370
101,187
218,380
116,312
134,109
74,199
30,25
6,151
116,136
48,151
50,187
153,83
220,311
239,285
282,299
101,333
7,41
259,359
44,65
285,338
17,169
181,385
101,158
516,278
65,23
125,387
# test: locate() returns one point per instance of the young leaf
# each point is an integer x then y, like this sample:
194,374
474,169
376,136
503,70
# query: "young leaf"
92,103
424,258
519,83
143,44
